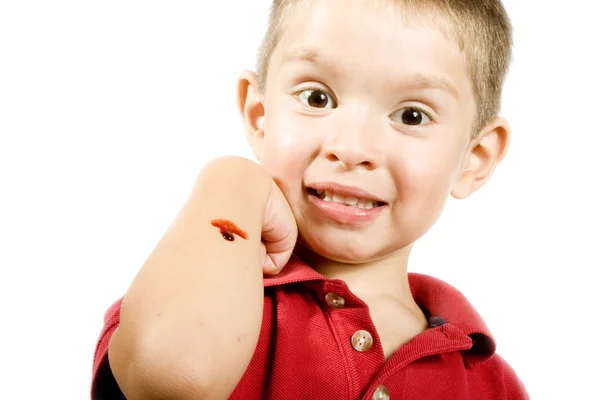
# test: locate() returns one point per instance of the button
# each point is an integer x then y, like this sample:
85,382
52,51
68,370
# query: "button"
362,341
434,322
381,393
334,301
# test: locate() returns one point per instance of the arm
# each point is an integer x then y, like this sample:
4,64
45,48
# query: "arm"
190,321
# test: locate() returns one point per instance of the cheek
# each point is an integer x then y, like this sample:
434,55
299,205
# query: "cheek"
426,179
427,187
286,147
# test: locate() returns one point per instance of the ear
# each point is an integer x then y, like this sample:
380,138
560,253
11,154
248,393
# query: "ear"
250,105
487,150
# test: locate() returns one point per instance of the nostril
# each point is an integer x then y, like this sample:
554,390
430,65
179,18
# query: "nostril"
332,157
351,160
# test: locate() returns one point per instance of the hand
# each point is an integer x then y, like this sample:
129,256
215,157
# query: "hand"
279,232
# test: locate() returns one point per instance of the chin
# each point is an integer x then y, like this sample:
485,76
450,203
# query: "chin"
346,249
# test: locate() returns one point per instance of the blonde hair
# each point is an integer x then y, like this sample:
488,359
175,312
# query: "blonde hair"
481,28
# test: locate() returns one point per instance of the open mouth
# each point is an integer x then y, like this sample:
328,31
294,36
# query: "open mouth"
350,201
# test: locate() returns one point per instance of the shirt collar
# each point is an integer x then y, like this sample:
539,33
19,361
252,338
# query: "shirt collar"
441,301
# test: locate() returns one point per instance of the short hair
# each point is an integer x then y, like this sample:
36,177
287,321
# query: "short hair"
481,28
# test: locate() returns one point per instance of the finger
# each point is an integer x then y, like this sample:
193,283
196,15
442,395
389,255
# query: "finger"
279,260
268,266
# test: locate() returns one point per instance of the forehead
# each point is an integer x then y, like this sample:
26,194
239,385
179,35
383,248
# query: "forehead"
372,39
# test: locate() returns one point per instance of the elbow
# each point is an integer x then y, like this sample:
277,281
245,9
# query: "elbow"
152,370
154,379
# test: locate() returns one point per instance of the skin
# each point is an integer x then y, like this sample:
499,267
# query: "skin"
370,69
190,320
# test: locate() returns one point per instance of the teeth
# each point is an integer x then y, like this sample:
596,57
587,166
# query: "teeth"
349,201
338,198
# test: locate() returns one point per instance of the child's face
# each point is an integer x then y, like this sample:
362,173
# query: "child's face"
356,97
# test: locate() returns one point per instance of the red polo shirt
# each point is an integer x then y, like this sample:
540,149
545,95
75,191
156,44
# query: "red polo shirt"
318,342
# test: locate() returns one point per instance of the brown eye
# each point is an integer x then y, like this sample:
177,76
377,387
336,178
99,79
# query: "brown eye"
316,98
412,116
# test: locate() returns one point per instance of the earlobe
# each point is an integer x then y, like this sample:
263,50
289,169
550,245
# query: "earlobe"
487,151
463,187
251,108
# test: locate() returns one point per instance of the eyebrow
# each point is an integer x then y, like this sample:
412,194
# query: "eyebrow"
417,81
310,56
421,82
302,54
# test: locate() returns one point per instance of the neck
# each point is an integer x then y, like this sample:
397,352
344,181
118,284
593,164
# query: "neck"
383,278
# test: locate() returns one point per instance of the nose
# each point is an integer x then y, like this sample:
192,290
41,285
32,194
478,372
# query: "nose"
353,143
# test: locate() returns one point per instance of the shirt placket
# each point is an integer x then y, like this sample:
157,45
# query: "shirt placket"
354,333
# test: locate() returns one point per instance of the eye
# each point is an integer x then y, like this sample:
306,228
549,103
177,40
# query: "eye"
412,116
316,98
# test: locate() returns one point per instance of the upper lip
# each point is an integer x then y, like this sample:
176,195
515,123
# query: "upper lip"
348,191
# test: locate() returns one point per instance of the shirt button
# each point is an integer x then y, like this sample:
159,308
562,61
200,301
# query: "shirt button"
362,341
381,393
334,301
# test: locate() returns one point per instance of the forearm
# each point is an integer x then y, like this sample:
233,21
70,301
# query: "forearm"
194,310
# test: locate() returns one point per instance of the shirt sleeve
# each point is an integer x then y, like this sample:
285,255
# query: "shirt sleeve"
104,385
500,381
515,390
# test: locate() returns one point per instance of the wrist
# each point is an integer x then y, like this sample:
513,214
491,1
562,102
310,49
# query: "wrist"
233,183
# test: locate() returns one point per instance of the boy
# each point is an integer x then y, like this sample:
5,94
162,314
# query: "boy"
364,116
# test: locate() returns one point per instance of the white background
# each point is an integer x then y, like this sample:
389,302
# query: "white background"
109,109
